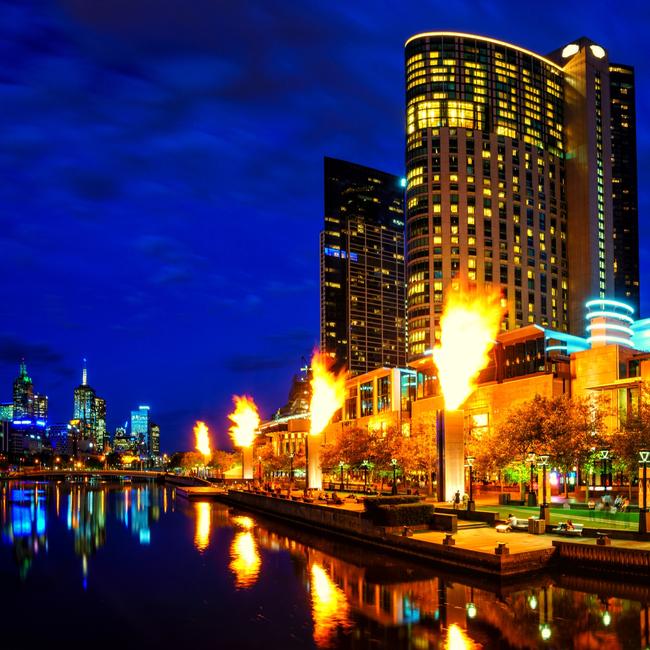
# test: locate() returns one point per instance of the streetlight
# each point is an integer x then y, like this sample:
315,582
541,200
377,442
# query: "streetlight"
290,472
470,504
544,512
644,459
259,468
603,454
365,464
532,498
393,462
341,466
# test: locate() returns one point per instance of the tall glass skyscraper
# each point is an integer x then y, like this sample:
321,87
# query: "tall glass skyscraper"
362,268
509,175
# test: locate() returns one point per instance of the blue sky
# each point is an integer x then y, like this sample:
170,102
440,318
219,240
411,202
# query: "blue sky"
161,180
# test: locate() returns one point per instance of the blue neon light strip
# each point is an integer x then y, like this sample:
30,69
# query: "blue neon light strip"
606,302
610,314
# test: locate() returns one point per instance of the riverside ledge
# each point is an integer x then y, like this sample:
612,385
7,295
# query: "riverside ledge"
430,546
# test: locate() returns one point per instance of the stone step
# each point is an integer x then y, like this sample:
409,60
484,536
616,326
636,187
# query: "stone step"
466,525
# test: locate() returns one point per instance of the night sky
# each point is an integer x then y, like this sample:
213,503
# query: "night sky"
161,180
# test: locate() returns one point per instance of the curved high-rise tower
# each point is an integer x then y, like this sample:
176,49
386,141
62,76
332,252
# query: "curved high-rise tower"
509,179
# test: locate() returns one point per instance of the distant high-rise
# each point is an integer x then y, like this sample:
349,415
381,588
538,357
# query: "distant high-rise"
40,407
140,428
154,439
23,403
362,268
509,168
89,413
6,411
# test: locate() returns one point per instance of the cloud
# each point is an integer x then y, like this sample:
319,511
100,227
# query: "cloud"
13,349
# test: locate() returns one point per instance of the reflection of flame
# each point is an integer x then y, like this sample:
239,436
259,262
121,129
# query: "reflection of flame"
327,394
242,521
457,639
246,419
203,525
329,606
202,439
246,561
469,324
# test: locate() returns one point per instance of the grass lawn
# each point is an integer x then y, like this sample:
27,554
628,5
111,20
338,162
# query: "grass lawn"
589,518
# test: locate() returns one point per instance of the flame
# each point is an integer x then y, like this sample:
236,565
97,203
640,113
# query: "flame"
470,322
457,639
245,560
202,440
246,419
327,393
203,525
329,607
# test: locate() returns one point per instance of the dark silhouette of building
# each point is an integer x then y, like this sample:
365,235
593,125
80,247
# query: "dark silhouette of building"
362,268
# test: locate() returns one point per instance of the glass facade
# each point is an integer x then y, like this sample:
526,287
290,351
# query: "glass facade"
485,202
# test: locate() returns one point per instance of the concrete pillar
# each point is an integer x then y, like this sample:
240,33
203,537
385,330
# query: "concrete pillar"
314,472
451,454
247,459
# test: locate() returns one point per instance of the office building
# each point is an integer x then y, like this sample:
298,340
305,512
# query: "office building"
509,180
6,411
362,268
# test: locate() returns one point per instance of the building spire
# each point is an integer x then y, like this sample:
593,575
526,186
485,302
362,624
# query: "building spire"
23,367
84,374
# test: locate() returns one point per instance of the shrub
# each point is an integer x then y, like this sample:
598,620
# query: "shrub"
403,514
372,503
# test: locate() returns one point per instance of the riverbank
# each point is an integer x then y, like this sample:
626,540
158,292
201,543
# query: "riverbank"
482,550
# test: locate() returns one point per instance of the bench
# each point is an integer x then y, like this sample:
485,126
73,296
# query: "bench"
576,531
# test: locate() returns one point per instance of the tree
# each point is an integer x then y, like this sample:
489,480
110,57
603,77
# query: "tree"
633,435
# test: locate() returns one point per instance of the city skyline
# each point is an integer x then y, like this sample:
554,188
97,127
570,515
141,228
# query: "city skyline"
162,250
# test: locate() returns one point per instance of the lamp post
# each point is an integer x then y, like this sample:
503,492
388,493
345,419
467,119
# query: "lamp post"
290,472
532,497
341,466
393,462
364,464
259,468
544,512
603,454
470,504
644,459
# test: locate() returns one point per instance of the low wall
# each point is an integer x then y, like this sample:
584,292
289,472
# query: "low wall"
604,558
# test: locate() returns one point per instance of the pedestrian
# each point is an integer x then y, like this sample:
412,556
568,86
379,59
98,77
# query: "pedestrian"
457,500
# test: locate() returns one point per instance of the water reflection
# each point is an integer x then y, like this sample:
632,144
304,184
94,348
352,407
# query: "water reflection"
316,592
329,606
245,560
84,508
203,525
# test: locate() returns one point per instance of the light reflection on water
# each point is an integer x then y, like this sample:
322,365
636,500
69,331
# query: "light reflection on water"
323,594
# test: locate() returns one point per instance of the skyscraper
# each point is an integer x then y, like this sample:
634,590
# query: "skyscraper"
509,179
362,268
89,413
